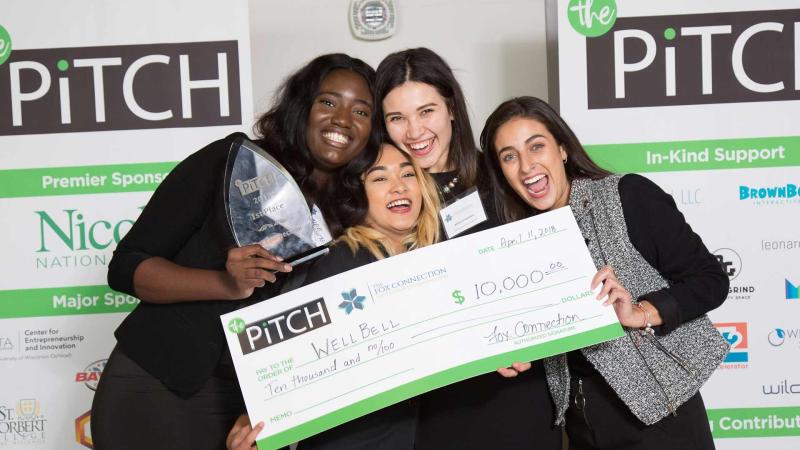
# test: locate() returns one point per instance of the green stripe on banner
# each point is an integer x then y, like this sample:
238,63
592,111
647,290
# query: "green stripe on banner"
755,422
438,380
698,155
64,301
142,177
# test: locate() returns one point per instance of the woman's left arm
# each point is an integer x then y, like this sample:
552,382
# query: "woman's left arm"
660,233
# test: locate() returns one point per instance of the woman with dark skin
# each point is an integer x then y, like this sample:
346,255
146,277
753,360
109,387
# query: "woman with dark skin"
170,383
634,392
424,114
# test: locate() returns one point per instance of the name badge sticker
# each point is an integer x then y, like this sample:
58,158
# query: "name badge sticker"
463,213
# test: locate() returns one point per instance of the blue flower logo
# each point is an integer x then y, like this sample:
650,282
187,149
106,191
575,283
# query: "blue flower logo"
352,300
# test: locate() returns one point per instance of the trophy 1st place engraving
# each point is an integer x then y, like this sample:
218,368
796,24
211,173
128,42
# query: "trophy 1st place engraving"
264,205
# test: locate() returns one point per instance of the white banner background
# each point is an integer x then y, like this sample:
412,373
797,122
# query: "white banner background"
709,197
43,388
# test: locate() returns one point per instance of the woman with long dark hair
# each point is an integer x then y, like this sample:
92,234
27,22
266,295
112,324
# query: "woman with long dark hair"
640,391
170,383
425,114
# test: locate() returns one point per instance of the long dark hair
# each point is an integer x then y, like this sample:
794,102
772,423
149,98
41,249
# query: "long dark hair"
283,127
424,66
579,165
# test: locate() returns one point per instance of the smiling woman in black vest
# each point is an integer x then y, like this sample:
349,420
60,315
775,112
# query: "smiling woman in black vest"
640,391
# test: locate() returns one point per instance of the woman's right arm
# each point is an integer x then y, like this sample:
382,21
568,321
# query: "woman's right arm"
143,261
159,280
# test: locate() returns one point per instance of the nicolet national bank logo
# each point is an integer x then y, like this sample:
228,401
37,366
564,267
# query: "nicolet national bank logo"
76,238
747,56
124,87
280,327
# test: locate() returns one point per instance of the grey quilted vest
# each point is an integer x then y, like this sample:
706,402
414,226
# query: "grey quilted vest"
652,375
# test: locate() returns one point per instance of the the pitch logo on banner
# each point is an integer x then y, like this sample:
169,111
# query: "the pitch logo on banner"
59,90
592,18
746,56
5,45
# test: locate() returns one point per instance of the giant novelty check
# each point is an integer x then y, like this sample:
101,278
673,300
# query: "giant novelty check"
351,344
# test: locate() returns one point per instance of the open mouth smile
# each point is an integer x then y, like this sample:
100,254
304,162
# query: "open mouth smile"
399,206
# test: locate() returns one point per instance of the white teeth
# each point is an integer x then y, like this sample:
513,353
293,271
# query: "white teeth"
419,145
336,137
401,202
534,179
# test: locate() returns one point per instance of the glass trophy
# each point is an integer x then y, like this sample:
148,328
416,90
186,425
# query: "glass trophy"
264,205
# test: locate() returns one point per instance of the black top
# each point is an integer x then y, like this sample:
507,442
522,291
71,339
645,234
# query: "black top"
487,411
443,179
184,222
388,428
658,230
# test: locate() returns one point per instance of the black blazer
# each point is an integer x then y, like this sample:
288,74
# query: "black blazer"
181,344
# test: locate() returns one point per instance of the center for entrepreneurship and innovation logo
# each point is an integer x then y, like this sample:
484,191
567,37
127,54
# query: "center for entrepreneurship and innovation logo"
351,301
792,290
6,344
736,335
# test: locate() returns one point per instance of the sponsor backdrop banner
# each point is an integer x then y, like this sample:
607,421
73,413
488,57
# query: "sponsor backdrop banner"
702,97
98,102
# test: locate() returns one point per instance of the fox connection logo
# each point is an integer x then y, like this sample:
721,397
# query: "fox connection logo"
694,59
62,90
